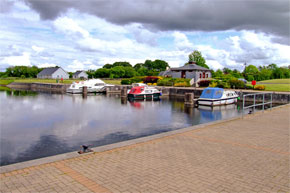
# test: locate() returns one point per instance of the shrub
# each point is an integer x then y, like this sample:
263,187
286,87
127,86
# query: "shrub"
22,76
150,79
222,84
213,84
149,84
181,84
137,79
204,83
126,81
234,83
248,87
259,87
165,82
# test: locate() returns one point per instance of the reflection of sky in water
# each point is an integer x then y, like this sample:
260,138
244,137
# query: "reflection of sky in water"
45,124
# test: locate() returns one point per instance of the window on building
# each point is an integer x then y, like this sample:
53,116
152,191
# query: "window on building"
200,75
206,75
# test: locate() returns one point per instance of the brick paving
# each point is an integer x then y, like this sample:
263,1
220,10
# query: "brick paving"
249,154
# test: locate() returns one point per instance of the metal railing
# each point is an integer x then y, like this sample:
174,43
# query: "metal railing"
254,105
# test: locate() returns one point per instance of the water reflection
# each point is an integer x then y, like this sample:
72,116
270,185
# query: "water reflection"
40,124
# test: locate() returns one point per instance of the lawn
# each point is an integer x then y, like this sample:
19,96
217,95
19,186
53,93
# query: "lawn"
114,81
31,80
277,87
276,81
5,81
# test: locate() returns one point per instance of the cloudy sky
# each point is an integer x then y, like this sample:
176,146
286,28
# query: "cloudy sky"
87,34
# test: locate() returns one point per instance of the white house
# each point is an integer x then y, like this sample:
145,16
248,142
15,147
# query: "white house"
53,73
80,74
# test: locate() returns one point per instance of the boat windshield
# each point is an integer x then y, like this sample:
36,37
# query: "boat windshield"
212,93
99,84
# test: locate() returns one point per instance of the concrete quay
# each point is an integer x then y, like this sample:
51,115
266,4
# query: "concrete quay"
249,154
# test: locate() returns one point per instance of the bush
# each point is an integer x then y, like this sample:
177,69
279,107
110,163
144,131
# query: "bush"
213,84
22,76
137,79
234,83
222,84
259,87
204,83
248,87
126,81
165,82
150,79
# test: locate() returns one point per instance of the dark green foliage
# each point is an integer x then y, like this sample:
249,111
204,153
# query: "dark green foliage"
126,81
197,58
117,72
150,79
234,83
26,71
108,66
204,83
102,73
124,64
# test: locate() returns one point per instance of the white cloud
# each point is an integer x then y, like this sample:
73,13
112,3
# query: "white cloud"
181,41
46,65
70,27
37,49
22,60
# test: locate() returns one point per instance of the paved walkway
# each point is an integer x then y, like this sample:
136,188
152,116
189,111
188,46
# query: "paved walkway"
243,155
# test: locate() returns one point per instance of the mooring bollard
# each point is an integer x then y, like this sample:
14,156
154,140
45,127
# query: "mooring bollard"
85,92
189,99
124,92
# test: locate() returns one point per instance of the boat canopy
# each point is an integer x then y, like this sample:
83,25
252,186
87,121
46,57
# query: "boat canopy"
212,93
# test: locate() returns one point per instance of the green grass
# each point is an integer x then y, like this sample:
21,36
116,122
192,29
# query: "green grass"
277,87
32,80
276,81
5,81
116,82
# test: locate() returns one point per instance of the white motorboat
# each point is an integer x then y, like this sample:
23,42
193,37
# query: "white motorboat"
143,91
217,96
93,85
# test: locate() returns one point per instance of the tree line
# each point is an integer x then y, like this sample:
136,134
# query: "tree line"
153,68
251,72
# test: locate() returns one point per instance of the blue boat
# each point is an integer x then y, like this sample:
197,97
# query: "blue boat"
217,96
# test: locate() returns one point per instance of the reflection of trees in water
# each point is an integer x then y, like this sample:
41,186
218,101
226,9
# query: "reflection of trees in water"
20,93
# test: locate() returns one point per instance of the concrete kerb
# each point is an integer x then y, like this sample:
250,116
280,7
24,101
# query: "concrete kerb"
60,157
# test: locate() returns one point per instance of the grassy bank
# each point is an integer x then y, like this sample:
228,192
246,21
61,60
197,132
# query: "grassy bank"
34,80
275,81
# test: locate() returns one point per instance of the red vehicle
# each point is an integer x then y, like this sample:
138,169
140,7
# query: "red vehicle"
144,92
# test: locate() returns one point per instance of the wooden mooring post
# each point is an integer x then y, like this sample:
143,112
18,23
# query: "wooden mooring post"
189,99
85,92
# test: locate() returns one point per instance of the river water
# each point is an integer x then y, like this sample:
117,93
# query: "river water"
35,125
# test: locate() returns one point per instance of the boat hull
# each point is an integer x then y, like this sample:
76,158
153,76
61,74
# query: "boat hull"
89,90
143,96
217,102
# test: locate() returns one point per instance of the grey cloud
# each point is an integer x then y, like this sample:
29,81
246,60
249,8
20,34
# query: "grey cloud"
5,6
206,15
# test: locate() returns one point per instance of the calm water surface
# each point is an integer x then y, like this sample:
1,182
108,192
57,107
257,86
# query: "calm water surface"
35,125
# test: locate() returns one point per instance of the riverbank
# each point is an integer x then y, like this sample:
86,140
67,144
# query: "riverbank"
249,154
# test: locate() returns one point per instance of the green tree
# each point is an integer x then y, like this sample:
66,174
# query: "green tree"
138,66
251,71
143,71
102,73
124,64
129,72
196,57
160,65
108,66
117,72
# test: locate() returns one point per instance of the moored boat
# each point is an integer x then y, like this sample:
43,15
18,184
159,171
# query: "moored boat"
217,96
93,85
144,92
